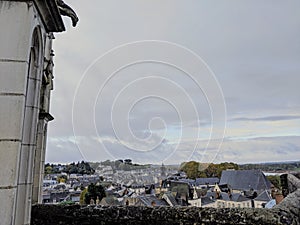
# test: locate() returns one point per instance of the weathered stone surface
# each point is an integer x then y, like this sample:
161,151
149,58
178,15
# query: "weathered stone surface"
293,182
290,183
76,215
287,213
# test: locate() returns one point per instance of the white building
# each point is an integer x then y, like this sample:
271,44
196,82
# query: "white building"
26,62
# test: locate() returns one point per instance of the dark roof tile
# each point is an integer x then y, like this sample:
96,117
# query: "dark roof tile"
245,179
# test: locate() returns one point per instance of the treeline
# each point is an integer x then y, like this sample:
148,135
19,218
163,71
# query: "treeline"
195,170
121,164
72,168
273,167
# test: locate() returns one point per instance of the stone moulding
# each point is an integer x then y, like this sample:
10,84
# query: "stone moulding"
50,15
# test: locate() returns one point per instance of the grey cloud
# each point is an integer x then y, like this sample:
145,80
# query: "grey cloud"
268,118
252,46
262,149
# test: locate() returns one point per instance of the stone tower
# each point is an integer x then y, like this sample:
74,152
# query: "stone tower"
26,60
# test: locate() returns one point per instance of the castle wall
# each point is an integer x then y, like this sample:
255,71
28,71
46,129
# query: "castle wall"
22,44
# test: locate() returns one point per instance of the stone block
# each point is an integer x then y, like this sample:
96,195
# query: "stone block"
15,30
32,96
11,119
26,165
7,197
30,125
9,155
22,204
13,77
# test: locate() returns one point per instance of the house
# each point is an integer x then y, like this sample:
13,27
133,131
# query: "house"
218,199
73,196
48,183
208,202
54,196
245,180
195,201
262,199
170,199
149,200
234,200
221,188
206,182
110,201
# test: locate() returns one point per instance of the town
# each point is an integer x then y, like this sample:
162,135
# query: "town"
121,182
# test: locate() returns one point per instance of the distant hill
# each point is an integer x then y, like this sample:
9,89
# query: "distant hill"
211,169
273,166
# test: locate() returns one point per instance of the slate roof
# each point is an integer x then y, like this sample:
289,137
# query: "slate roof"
206,201
264,196
190,182
210,194
110,201
236,197
245,179
168,196
147,200
209,181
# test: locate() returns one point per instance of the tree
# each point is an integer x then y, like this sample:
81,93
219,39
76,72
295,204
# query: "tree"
128,161
61,178
192,169
195,169
48,169
82,196
275,180
212,170
94,191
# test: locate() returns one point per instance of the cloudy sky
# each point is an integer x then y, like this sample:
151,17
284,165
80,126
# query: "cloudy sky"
170,81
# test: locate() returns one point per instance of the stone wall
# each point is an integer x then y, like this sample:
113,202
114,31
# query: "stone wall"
287,212
75,215
289,183
25,76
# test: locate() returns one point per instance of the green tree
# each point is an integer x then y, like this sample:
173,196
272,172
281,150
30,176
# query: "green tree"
61,178
195,169
48,170
212,170
190,168
94,191
82,195
275,180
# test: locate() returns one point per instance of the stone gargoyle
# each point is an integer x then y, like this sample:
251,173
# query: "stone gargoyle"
66,10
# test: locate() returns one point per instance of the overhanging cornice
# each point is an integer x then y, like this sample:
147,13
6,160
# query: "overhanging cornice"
50,15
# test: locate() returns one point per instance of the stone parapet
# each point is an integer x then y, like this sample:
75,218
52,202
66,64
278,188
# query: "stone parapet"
77,215
286,213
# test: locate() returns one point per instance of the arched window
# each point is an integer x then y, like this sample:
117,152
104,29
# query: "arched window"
28,146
